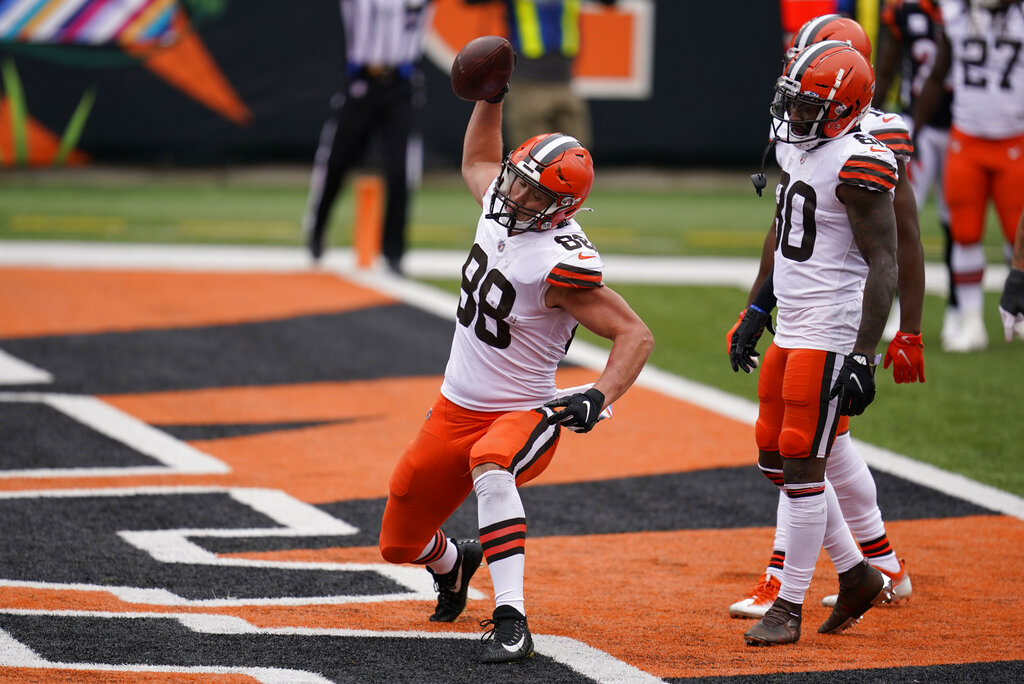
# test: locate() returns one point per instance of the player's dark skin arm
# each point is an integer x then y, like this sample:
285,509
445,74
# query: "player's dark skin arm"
909,255
874,230
766,265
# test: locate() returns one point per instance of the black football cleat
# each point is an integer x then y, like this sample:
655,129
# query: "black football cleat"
780,625
453,586
860,589
508,638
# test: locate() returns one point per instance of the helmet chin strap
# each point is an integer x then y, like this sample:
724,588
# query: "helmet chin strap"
758,179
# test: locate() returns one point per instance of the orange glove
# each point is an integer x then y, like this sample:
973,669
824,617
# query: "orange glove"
728,335
906,354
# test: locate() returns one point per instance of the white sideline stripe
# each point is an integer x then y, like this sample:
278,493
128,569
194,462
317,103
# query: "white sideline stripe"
586,660
418,263
14,371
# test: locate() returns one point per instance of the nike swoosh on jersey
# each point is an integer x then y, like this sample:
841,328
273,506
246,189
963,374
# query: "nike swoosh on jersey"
887,119
877,149
587,256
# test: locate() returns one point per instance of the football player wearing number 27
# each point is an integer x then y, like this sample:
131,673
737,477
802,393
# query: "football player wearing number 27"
834,276
530,277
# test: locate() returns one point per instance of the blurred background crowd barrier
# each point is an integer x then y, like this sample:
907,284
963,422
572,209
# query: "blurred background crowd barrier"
212,82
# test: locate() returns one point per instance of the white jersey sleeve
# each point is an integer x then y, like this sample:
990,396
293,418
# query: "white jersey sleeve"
890,130
987,68
819,272
507,341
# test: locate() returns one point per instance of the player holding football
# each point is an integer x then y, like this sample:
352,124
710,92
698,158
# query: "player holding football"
531,276
834,277
847,474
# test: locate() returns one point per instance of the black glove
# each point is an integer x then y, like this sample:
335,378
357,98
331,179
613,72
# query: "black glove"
495,99
1011,304
743,342
581,412
855,385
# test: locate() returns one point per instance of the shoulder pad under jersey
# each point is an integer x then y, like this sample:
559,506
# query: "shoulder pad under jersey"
872,166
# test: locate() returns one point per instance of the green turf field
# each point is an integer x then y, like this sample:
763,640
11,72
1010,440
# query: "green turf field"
966,418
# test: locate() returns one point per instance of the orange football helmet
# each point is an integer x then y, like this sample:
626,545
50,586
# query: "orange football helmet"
831,27
542,184
825,91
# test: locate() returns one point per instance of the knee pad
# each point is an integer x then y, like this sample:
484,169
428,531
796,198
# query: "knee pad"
399,554
794,443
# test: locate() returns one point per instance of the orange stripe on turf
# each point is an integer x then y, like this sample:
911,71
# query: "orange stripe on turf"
57,302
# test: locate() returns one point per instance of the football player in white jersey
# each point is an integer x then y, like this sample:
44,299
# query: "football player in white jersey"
531,276
833,279
847,473
982,49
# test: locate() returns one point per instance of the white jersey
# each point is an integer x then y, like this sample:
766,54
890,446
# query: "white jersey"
988,69
819,272
507,341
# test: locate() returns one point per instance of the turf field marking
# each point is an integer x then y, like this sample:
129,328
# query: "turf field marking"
298,519
586,660
174,455
15,654
736,272
14,371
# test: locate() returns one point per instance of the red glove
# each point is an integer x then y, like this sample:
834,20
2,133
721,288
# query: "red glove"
906,354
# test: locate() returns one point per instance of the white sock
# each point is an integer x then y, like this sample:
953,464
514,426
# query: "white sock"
858,498
503,535
805,533
838,541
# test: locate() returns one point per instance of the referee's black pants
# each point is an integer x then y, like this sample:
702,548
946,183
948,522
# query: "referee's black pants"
367,108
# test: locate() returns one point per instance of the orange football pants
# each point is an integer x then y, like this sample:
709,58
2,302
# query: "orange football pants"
434,475
977,169
796,416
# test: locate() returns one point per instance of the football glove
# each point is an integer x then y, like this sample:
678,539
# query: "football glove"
906,355
581,412
855,385
1011,304
743,337
495,99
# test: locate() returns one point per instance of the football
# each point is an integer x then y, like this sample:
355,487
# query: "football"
482,68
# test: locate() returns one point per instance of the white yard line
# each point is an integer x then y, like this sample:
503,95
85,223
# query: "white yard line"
619,269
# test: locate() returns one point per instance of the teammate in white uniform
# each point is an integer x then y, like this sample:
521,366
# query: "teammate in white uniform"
982,49
834,277
847,473
530,277
908,36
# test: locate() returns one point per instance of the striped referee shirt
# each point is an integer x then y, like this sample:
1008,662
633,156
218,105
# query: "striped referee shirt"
385,32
